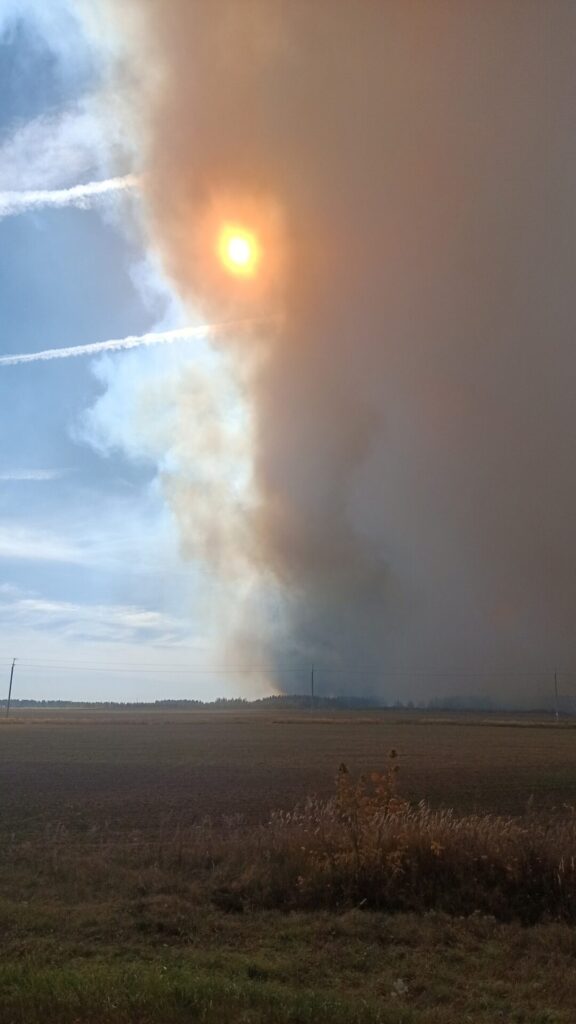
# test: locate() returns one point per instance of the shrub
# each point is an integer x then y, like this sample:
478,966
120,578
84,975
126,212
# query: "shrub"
368,847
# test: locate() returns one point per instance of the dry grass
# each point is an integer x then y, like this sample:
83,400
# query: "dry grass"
365,846
368,847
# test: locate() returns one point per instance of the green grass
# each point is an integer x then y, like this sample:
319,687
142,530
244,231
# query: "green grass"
339,969
105,994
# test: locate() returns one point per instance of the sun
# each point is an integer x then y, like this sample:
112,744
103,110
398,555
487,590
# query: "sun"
238,250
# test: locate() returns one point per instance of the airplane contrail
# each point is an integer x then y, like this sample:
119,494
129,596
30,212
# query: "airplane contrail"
35,475
131,341
78,195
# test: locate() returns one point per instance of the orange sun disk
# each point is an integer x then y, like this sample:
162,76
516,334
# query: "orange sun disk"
238,250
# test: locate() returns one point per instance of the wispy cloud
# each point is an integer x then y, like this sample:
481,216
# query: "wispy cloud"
34,475
133,341
102,623
25,543
81,196
120,539
60,148
57,23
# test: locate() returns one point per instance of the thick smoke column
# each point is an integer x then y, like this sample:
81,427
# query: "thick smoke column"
412,167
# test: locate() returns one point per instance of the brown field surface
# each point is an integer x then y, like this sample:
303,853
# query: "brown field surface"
130,769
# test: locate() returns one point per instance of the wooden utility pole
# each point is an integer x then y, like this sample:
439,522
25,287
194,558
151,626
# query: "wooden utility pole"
10,688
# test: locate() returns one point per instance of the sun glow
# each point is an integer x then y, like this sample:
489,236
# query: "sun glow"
239,250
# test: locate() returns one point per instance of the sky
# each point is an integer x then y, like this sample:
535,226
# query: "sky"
96,598
360,458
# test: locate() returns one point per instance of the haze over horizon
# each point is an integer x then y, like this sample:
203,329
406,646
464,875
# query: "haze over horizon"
375,474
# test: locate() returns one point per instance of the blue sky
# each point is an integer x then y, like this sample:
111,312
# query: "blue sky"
96,600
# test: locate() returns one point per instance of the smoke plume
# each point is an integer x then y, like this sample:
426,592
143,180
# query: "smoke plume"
410,169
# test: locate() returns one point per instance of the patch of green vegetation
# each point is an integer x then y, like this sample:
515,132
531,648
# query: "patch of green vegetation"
355,968
100,993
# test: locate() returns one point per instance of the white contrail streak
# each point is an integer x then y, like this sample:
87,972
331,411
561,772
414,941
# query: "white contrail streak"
132,341
36,475
79,195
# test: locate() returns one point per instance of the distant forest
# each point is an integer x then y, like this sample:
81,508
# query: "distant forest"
221,703
296,702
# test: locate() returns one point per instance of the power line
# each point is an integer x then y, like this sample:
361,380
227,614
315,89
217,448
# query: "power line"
382,673
228,670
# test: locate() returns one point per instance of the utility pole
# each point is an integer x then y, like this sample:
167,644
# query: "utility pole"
312,688
10,688
556,705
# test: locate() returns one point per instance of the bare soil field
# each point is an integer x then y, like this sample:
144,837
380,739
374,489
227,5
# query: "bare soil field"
138,769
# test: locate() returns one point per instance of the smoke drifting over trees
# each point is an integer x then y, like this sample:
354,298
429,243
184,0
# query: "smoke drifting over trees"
410,170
